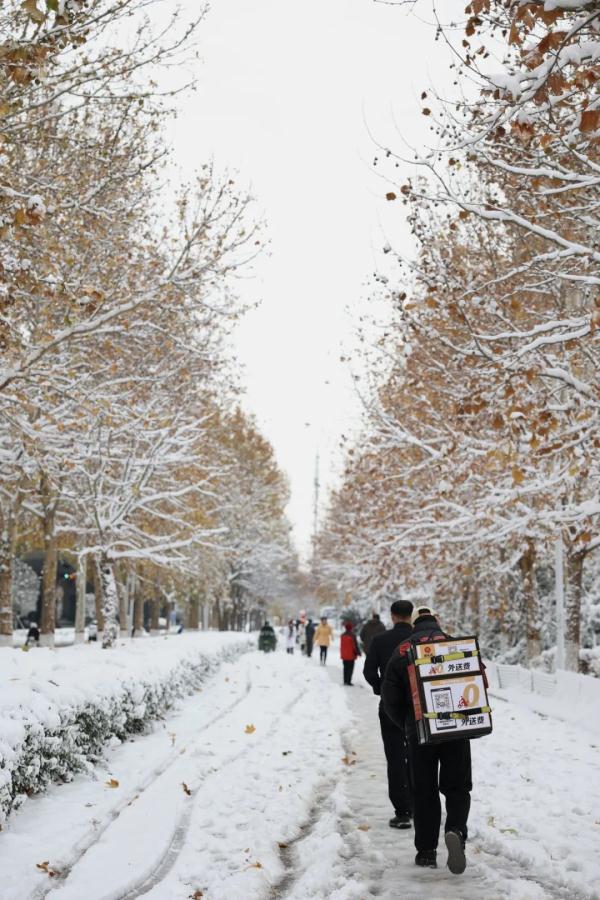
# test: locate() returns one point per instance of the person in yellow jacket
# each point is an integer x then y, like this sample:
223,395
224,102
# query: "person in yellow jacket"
323,638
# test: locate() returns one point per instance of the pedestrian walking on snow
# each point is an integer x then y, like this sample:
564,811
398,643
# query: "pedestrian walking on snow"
33,635
289,632
380,651
369,630
323,639
301,638
443,767
349,652
310,636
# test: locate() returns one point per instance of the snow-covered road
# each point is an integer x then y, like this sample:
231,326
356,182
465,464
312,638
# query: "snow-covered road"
263,786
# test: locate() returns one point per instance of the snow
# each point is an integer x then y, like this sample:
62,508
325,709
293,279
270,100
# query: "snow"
58,708
288,799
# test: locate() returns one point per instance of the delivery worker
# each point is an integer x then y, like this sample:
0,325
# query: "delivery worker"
394,737
435,768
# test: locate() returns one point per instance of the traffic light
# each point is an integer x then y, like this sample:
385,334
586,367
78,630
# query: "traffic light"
69,576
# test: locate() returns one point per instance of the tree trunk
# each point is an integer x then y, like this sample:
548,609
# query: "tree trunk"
530,601
98,598
7,543
80,599
474,609
193,612
110,604
138,613
48,623
155,615
573,611
122,585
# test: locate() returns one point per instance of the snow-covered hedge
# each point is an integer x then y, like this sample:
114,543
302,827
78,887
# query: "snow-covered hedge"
59,708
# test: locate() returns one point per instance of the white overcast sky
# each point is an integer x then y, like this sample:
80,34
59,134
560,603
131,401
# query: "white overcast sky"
287,93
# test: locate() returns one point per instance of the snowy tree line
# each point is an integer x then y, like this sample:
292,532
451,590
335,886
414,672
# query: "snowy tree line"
121,437
478,469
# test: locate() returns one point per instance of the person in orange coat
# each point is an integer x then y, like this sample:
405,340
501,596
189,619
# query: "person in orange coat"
349,651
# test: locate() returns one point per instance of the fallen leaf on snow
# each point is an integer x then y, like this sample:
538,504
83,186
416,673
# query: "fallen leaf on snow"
45,867
186,789
112,782
197,895
347,761
282,845
256,865
249,729
364,827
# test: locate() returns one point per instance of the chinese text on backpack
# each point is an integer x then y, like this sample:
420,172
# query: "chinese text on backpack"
449,690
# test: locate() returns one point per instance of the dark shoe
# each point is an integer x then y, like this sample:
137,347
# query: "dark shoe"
457,861
426,859
400,822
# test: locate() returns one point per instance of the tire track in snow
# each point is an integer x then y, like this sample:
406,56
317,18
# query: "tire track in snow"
171,854
158,771
323,805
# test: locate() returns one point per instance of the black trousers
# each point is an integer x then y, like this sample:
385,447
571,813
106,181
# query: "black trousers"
444,768
348,670
309,646
323,654
396,753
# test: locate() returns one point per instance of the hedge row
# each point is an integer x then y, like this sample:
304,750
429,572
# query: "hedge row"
72,738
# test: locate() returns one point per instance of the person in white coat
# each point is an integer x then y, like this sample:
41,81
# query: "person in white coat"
289,633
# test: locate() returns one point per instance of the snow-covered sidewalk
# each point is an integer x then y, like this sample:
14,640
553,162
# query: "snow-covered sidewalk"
534,825
269,784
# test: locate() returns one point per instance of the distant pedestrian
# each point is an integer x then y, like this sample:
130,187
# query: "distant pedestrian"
290,636
394,738
301,636
33,635
443,767
266,639
369,630
310,636
323,639
349,652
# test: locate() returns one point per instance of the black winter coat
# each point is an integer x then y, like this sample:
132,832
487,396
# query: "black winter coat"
368,632
380,650
395,690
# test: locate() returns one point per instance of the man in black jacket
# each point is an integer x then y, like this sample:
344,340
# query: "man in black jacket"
381,649
452,758
370,629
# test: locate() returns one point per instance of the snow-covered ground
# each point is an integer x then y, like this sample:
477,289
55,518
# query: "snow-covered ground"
269,782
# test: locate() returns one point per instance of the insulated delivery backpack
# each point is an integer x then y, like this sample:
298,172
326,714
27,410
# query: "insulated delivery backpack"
449,689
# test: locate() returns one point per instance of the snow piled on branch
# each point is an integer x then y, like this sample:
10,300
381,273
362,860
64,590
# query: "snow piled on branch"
59,710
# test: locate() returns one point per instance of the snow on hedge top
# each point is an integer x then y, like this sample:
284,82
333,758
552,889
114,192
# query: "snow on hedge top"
37,684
